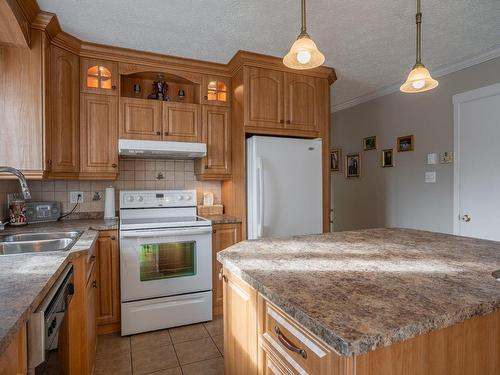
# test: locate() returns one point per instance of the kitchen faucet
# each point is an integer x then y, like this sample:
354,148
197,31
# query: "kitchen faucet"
21,178
22,181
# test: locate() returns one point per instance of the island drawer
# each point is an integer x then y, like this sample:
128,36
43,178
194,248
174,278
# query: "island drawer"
282,338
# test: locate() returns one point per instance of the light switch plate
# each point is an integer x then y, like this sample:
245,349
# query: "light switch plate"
446,157
431,158
430,177
73,197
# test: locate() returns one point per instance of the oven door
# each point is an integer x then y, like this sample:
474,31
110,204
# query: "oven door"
165,262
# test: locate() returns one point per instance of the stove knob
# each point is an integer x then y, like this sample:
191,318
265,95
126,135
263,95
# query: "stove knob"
188,197
130,198
180,197
140,198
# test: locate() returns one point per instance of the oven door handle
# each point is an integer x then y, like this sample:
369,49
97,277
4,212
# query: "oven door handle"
164,232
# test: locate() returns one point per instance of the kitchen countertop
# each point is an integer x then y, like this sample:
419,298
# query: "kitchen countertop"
222,219
26,278
362,290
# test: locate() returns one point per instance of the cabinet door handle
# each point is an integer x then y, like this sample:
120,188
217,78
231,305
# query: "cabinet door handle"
206,166
92,258
287,121
94,284
113,87
158,133
287,344
113,238
214,231
222,277
114,165
166,133
282,121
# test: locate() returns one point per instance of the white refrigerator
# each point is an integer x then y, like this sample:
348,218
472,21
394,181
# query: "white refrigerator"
284,186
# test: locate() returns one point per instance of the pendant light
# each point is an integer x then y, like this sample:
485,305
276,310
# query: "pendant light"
419,79
303,54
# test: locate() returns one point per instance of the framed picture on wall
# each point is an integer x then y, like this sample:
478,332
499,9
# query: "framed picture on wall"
406,143
352,167
388,158
335,157
370,143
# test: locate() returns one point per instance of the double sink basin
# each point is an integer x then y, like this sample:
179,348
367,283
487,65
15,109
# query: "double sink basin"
37,242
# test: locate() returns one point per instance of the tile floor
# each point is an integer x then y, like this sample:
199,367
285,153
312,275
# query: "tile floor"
189,350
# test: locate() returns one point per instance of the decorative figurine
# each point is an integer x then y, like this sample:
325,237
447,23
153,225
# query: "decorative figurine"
160,89
137,89
181,94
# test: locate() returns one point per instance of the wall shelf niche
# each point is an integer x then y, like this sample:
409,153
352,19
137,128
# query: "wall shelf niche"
175,84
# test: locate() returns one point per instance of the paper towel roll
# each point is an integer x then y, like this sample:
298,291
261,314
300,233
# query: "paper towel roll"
109,203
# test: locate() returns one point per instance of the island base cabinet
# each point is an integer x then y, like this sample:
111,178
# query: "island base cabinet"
14,360
240,326
260,338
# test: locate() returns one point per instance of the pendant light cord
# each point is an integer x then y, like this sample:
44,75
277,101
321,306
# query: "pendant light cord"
418,19
303,12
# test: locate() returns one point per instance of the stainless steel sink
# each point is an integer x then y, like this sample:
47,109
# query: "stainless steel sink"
37,242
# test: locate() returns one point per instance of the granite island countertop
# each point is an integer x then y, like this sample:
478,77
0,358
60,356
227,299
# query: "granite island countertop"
362,290
26,278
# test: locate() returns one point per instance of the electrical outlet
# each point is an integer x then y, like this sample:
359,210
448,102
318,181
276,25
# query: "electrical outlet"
75,197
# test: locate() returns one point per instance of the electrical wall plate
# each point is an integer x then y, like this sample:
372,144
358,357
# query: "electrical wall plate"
431,158
430,177
446,157
75,197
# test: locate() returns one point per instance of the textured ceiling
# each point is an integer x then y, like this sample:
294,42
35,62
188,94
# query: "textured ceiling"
369,43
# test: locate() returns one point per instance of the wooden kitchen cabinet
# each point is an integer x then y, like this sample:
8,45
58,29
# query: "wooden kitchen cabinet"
224,235
91,336
264,98
64,111
216,134
108,282
181,122
99,136
302,97
240,326
216,90
99,76
14,360
140,119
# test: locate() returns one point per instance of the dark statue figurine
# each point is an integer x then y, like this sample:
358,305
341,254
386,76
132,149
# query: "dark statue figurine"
160,89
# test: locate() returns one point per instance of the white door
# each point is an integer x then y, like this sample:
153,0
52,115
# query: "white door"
477,163
284,186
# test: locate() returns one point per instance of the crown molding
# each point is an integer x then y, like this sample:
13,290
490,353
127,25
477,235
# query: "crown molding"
442,71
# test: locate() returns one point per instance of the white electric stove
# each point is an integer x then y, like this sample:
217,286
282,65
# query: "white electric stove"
165,261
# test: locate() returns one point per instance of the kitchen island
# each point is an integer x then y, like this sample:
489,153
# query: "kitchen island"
378,301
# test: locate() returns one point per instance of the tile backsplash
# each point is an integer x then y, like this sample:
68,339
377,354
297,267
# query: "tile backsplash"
133,175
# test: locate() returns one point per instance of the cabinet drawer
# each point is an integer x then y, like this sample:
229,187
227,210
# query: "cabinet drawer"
281,337
89,262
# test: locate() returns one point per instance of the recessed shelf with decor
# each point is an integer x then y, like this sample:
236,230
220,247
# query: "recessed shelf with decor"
160,86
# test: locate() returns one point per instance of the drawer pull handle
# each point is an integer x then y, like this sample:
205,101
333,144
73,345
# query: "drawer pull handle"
92,258
287,344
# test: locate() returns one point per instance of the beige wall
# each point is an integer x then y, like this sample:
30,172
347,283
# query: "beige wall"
134,175
399,197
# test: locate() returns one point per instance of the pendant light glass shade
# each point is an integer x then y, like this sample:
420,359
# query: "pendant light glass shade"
304,54
419,79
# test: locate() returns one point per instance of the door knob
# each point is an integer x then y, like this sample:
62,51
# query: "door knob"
465,218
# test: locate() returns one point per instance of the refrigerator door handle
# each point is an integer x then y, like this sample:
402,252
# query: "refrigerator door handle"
260,217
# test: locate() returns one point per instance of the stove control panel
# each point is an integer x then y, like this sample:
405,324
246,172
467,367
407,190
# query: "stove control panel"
157,198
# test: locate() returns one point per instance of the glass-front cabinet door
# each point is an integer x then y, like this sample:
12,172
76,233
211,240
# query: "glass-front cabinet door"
215,90
99,76
167,260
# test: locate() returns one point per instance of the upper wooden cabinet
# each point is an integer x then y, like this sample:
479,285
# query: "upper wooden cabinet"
301,102
216,134
64,117
140,119
181,122
216,90
99,76
282,100
264,98
99,135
